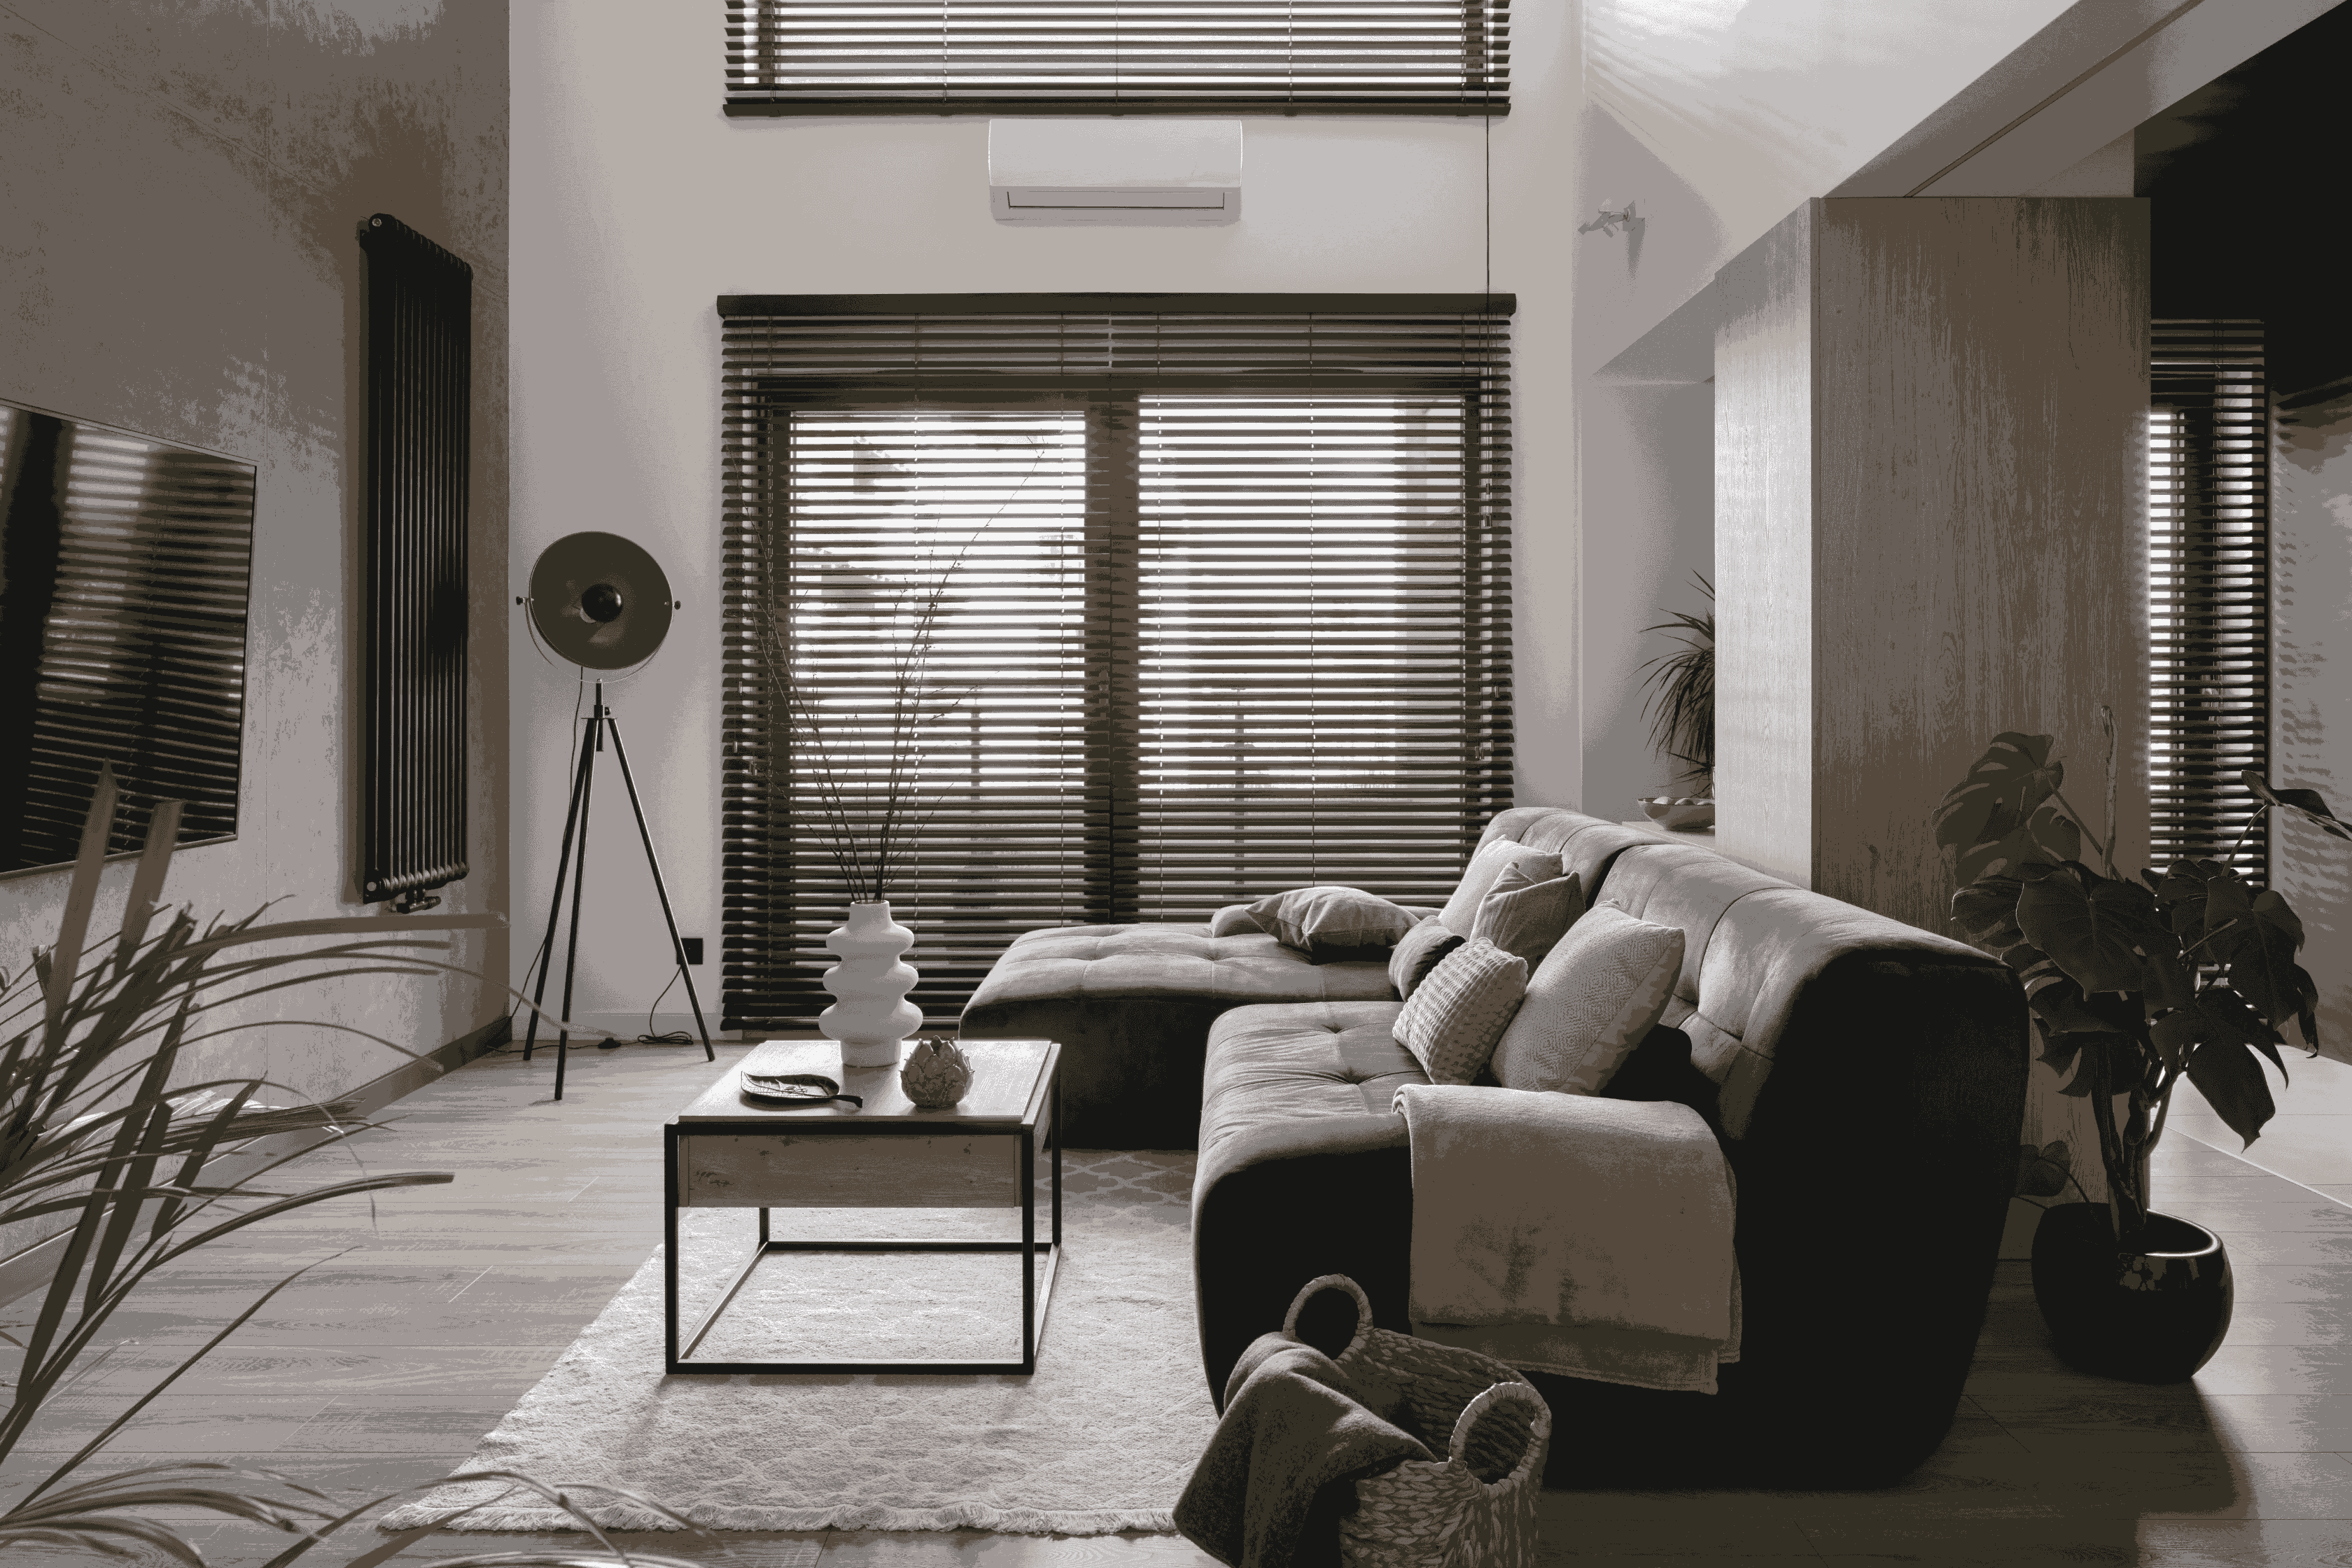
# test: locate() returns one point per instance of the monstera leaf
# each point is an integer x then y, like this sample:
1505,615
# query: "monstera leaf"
1999,796
2041,1172
1985,913
2165,980
2230,1079
2303,802
2003,787
2231,1020
2091,925
2258,946
2178,1033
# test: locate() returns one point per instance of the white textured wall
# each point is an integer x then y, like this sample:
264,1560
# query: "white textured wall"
179,191
637,203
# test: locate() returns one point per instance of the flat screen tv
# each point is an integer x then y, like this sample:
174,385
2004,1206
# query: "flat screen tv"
125,565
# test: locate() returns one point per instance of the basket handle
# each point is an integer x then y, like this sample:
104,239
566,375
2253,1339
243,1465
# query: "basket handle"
1538,1425
1313,1287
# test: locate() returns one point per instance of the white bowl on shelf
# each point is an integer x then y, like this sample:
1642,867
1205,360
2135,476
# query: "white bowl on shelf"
1682,816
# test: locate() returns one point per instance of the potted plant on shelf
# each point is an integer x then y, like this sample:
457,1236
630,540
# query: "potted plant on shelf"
1681,711
2133,986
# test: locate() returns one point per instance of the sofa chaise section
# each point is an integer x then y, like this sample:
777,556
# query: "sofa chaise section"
1132,1005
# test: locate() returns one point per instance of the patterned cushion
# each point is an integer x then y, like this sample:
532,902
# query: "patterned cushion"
1332,924
1461,911
1522,915
1417,952
1589,1003
1452,1019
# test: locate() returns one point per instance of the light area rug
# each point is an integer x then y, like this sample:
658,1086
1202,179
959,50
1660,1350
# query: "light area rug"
1102,1437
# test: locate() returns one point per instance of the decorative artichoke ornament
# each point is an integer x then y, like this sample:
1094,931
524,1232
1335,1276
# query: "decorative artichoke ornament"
936,1073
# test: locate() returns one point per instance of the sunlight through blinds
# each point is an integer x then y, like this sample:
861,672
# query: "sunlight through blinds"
1215,598
2208,593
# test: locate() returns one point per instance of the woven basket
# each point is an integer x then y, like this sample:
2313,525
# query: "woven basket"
1475,1508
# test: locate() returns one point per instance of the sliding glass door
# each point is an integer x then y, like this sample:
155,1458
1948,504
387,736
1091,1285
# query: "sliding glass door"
1102,655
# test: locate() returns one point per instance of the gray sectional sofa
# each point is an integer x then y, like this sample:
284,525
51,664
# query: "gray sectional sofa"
1865,1079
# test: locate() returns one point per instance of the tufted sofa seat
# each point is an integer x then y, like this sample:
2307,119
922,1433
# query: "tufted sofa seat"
1865,1079
1132,1005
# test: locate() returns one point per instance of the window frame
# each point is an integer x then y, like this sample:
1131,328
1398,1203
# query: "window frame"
1113,892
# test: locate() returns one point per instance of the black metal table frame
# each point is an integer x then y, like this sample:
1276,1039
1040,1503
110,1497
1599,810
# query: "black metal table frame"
1036,1294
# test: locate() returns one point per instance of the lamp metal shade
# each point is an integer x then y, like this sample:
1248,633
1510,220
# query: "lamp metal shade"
600,600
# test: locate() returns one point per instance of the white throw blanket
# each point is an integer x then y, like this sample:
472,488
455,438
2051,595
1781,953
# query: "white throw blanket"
1570,1234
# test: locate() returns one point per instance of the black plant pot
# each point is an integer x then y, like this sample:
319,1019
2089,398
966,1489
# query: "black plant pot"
2151,1313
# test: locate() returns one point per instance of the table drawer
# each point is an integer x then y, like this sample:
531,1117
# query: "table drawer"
848,1170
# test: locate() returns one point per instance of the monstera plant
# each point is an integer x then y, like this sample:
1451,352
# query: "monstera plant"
2134,983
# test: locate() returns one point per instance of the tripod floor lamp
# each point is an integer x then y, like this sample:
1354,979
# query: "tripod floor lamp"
602,602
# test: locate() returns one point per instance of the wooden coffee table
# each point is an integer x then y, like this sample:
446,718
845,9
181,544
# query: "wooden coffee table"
729,1150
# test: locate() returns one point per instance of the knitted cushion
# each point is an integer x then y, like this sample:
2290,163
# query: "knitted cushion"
1461,911
1417,952
1332,923
1522,915
1589,1003
1452,1019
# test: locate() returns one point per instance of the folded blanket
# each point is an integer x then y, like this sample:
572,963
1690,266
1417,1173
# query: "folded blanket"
1281,1469
1570,1234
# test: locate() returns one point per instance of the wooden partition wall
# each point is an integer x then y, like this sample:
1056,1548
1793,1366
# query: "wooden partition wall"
1930,472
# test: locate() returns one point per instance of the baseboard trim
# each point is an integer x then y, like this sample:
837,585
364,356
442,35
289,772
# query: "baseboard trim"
28,1270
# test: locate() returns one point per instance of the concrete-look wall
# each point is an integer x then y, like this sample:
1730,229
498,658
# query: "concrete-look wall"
1716,121
637,203
2310,696
180,189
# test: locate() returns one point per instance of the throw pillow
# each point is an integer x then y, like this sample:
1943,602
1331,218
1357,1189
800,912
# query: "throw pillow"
1461,911
1522,915
1330,924
1593,998
1452,1019
1417,952
1233,920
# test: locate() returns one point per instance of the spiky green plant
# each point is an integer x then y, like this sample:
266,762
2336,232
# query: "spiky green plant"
1681,705
100,1138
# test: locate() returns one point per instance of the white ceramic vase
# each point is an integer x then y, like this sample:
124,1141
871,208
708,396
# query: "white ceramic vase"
870,1014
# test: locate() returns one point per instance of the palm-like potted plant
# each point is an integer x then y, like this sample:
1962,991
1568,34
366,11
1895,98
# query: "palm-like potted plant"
1681,711
106,1140
2134,985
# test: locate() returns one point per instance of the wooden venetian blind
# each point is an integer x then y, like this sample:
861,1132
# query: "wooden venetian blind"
1093,57
1219,598
2208,593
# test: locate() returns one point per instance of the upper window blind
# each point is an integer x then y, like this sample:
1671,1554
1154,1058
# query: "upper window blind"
1099,57
2208,593
1218,589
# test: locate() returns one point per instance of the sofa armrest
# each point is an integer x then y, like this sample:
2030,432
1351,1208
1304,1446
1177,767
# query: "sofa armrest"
1279,1205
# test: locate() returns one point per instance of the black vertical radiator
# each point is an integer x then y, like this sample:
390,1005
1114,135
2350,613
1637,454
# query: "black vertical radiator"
420,314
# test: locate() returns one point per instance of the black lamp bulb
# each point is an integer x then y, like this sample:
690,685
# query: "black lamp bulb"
601,603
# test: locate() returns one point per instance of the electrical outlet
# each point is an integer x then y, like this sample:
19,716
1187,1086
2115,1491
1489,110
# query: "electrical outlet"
693,945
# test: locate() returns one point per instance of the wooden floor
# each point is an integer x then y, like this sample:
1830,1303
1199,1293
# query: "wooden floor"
414,1333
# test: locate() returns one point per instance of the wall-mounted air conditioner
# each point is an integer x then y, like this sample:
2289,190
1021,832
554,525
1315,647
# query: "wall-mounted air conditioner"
1157,171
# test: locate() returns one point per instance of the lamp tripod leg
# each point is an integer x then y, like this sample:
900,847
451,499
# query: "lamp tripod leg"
678,948
555,906
590,745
